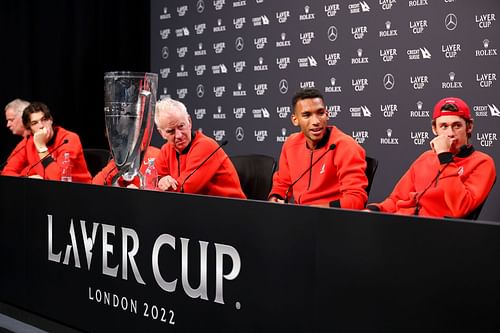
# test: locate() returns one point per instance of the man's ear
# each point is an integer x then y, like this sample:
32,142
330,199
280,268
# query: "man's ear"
294,119
470,126
434,129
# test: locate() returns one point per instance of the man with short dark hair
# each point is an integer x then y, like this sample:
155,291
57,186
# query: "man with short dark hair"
320,165
449,180
32,158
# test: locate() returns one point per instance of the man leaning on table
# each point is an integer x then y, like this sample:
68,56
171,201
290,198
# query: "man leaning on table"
190,161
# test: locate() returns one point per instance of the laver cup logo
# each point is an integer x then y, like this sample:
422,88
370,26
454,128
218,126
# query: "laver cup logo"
78,251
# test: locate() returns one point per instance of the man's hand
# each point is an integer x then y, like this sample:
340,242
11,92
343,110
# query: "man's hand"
41,138
166,183
276,199
442,144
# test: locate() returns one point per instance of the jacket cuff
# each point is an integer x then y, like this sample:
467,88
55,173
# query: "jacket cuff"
335,204
374,208
446,157
47,161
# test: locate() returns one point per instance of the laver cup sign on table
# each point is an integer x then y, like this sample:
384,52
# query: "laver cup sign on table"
129,104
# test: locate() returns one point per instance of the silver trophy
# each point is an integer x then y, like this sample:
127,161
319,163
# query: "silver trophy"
129,104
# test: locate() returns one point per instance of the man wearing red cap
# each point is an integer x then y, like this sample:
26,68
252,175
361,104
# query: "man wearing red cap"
449,180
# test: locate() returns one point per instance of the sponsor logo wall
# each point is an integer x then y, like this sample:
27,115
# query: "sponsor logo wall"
381,66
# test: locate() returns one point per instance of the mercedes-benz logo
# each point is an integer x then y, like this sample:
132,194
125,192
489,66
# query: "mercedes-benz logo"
200,91
240,133
164,52
239,44
332,33
283,85
200,6
451,21
389,81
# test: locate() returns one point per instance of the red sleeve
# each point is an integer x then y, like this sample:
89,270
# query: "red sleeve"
105,176
402,192
351,165
462,197
162,161
17,161
281,178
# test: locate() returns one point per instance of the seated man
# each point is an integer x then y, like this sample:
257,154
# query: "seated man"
320,165
105,176
14,114
451,179
14,117
186,163
44,148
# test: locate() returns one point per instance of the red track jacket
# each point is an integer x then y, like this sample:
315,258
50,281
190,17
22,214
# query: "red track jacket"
216,177
338,178
451,189
22,160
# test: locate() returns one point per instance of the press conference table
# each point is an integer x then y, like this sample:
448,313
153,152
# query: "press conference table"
102,259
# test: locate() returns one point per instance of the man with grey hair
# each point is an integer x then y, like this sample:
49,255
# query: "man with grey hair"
190,161
13,116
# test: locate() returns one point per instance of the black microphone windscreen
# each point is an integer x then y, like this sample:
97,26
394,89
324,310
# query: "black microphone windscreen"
332,146
225,142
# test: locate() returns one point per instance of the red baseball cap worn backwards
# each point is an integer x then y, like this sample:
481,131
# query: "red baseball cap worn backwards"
463,109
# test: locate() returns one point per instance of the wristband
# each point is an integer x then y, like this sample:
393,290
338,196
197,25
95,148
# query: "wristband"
42,150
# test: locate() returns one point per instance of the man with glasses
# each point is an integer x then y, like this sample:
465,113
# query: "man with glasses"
190,161
42,153
449,180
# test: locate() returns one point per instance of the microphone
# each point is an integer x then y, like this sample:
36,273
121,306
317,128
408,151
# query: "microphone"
332,147
46,156
14,154
199,166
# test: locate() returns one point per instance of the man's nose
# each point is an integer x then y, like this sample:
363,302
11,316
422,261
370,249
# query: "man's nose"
316,119
450,132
